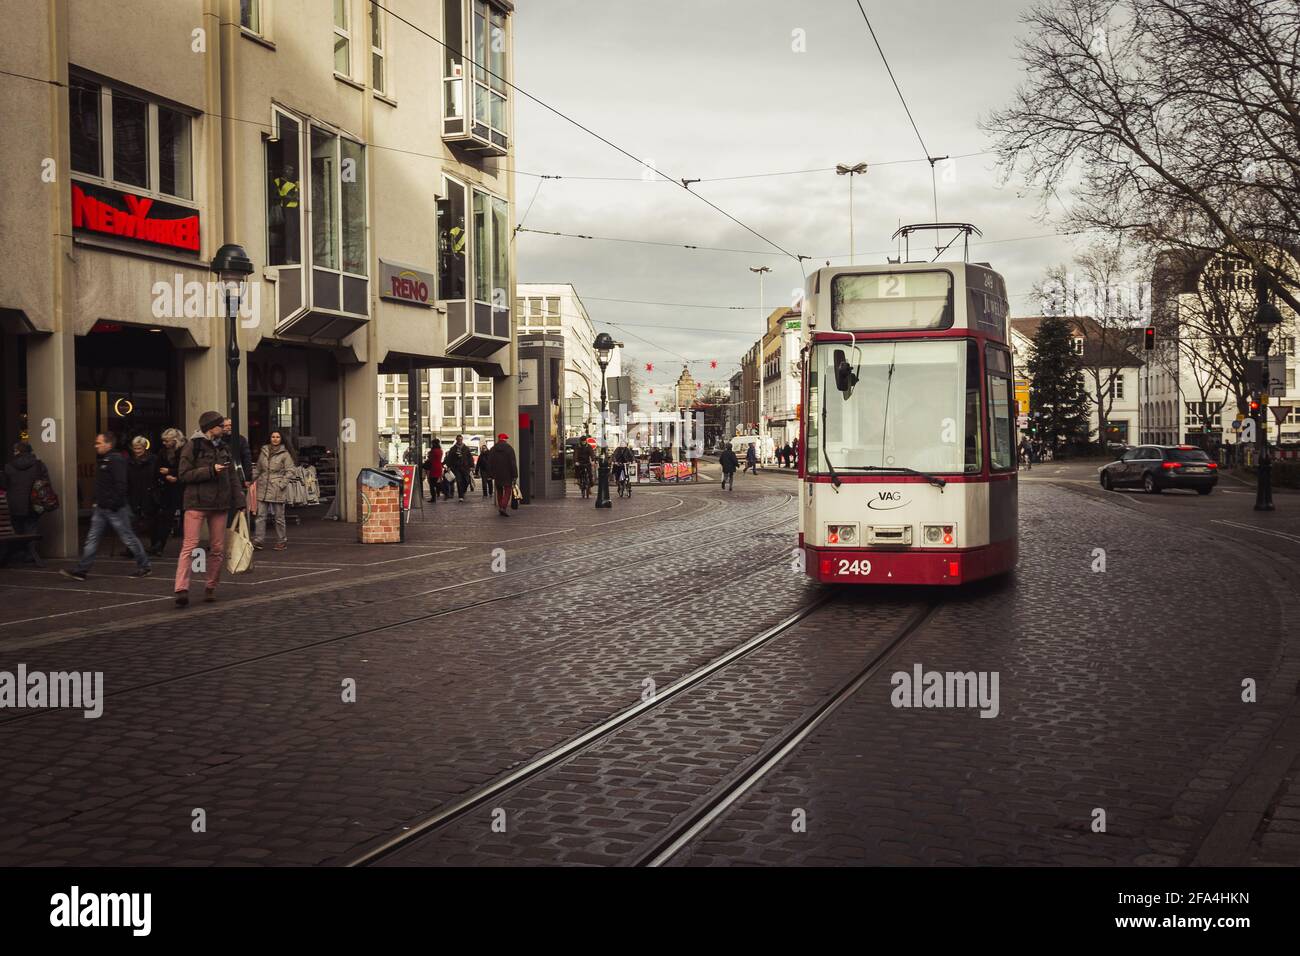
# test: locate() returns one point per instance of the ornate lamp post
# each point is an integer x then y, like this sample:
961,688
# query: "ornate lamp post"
604,347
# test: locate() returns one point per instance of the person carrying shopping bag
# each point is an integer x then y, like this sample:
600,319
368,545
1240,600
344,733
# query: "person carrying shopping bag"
212,491
274,472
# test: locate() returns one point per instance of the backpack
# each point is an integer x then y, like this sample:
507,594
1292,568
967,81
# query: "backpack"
43,498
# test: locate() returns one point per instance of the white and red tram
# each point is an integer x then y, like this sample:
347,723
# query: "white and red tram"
908,463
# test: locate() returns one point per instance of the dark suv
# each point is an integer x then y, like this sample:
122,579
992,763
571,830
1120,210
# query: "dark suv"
1155,468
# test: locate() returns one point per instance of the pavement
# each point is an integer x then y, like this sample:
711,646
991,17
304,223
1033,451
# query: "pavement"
339,693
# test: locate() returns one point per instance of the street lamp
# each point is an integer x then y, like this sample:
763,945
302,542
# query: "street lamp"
758,362
604,346
232,266
850,171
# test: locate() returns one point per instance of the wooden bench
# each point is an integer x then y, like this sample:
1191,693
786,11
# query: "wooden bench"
7,532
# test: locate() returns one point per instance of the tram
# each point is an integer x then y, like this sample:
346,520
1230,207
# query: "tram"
907,419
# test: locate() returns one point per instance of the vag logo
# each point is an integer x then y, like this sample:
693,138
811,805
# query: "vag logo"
886,501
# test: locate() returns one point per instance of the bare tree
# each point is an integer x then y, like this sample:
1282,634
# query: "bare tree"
1104,304
1177,121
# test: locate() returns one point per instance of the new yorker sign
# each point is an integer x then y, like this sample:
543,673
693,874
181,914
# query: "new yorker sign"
407,284
110,212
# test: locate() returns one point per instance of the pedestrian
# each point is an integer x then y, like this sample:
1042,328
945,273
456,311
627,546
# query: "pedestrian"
433,469
1026,454
795,447
212,492
22,472
484,478
142,485
169,489
274,472
503,468
729,463
751,458
789,456
110,510
461,462
243,457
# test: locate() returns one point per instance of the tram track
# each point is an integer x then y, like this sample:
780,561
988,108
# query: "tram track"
677,834
514,594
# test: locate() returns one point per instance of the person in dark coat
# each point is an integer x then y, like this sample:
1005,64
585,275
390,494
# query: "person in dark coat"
433,469
111,509
503,467
729,463
142,484
19,475
484,478
461,462
751,458
212,491
169,489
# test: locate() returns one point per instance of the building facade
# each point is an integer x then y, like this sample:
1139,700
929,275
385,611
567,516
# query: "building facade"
781,375
363,167
1105,354
556,308
1187,397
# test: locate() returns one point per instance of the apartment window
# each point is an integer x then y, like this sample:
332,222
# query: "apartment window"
1117,386
1290,379
491,246
449,408
143,146
250,15
484,407
338,203
84,112
1078,345
474,104
553,320
377,76
284,193
1288,345
342,39
449,375
453,236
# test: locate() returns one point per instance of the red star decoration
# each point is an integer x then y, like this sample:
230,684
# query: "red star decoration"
713,363
649,366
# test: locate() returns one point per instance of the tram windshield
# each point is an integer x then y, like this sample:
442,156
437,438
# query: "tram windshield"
916,405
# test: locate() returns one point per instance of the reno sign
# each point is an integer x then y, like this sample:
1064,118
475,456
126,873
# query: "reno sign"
402,283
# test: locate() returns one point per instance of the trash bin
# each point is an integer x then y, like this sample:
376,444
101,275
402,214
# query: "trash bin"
379,497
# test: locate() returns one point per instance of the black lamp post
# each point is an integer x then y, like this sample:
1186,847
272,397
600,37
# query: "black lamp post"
232,266
604,347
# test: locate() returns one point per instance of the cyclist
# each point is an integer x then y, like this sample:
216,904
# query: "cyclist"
624,462
582,466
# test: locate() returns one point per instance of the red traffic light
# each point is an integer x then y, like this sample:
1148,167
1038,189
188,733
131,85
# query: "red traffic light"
1149,338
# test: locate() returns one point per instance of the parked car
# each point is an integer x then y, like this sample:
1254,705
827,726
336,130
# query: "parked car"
1157,467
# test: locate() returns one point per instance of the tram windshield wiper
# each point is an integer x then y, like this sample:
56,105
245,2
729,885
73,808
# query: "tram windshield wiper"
932,479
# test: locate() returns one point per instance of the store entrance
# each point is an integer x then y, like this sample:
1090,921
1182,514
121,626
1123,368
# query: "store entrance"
128,382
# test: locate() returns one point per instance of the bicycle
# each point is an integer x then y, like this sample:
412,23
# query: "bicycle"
623,479
584,479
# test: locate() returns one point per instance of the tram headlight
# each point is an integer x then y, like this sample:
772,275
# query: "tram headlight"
841,534
940,534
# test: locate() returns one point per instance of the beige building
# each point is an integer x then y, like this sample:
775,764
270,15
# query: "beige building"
362,166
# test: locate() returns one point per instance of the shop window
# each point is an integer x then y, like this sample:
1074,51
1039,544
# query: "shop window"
130,142
342,39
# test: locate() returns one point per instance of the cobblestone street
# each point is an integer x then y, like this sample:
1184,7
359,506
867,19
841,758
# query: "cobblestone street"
1119,690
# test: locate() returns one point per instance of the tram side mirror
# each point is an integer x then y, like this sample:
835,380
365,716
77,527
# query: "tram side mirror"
844,377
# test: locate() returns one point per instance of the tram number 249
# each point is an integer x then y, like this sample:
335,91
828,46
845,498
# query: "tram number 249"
862,567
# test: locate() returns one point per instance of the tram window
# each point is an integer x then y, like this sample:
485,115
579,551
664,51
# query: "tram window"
1001,401
892,301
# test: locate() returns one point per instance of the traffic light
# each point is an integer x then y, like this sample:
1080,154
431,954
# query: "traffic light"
1149,338
1254,404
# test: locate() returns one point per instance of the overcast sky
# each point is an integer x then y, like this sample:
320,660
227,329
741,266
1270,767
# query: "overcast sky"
712,88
